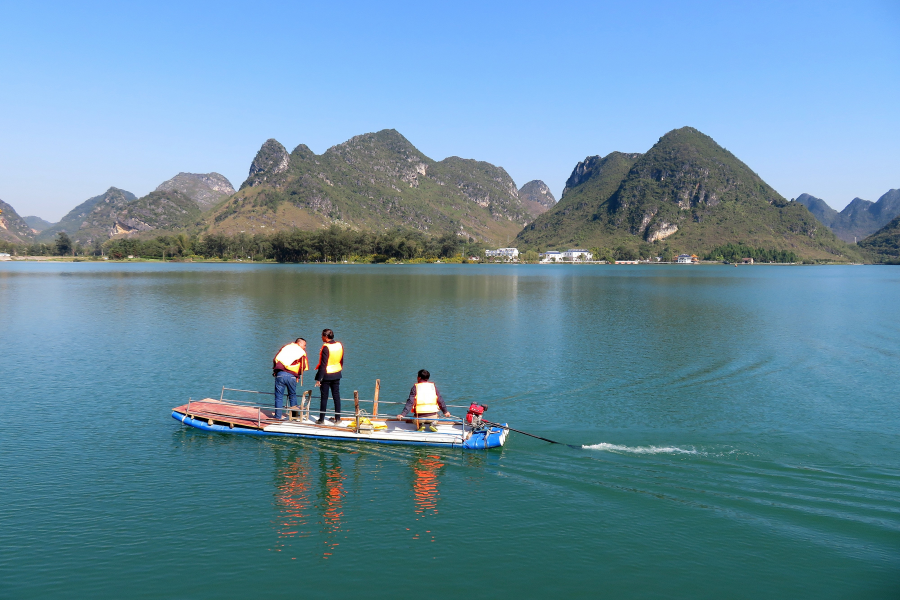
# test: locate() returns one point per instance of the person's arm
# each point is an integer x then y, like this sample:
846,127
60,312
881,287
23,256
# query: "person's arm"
410,402
441,403
323,362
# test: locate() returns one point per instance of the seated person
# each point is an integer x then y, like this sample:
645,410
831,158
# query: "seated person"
425,402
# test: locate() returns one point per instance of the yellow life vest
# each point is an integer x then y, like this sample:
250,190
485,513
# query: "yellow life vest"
426,399
293,357
335,354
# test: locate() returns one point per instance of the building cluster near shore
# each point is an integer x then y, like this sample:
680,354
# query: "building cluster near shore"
551,256
573,255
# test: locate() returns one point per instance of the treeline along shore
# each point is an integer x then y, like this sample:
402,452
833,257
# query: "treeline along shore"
337,244
333,244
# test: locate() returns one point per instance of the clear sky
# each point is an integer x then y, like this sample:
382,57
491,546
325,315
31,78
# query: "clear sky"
96,94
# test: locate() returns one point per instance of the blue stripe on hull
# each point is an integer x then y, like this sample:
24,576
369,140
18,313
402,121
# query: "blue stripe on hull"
480,440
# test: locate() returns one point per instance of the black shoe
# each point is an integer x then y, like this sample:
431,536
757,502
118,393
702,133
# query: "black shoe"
336,420
321,421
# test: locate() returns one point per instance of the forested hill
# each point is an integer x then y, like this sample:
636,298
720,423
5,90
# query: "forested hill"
13,228
884,245
686,193
374,181
75,218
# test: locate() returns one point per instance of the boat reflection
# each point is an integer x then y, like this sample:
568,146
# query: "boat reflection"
309,495
331,498
426,470
425,483
319,489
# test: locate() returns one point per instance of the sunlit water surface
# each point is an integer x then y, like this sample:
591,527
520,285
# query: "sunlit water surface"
739,431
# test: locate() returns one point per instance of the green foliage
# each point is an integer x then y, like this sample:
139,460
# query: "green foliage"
884,245
63,244
735,252
334,244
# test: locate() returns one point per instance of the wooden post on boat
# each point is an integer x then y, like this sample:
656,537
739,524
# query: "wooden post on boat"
375,404
356,404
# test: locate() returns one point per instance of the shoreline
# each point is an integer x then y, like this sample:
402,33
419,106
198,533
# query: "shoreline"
98,260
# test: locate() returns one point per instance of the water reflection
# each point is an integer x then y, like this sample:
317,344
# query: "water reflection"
321,491
331,498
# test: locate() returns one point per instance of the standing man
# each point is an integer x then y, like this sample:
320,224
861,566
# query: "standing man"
425,401
328,374
287,368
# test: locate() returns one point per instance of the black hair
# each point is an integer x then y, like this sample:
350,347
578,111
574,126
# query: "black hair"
298,340
424,375
328,334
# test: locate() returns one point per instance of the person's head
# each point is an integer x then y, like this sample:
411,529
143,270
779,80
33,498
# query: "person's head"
327,335
301,342
424,376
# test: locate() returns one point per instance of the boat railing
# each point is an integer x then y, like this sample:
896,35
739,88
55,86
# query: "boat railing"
304,406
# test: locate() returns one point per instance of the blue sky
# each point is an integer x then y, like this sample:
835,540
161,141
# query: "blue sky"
96,94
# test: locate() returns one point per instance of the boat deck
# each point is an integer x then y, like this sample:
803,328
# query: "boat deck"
227,417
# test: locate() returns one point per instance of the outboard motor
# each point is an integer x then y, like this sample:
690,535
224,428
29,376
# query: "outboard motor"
473,416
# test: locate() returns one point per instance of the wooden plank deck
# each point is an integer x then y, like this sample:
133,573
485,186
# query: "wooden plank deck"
227,414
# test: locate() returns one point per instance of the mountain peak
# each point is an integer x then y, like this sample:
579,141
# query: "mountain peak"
271,160
536,197
206,189
537,191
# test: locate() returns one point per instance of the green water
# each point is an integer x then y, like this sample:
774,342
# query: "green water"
740,430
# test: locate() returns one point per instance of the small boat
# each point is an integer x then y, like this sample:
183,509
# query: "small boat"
232,416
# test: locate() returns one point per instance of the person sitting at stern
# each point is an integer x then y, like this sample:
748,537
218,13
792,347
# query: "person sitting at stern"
426,402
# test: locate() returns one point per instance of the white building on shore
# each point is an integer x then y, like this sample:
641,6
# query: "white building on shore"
507,253
573,255
577,255
551,256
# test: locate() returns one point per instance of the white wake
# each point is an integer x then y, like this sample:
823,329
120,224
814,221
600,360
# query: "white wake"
640,449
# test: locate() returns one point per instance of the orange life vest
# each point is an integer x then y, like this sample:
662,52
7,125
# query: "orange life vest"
426,398
335,354
293,358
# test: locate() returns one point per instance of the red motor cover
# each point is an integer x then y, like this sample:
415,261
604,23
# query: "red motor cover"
475,409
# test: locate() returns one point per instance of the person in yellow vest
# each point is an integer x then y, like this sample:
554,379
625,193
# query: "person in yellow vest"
328,374
287,368
425,401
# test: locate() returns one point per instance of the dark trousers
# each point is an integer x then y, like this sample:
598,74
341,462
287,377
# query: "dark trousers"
284,382
335,385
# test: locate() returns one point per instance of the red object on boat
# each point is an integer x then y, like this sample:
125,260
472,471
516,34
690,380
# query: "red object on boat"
473,416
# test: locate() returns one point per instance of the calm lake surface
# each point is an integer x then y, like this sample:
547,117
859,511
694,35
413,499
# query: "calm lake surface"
739,427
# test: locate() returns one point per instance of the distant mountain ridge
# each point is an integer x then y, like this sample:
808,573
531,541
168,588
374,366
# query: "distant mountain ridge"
687,193
859,219
374,181
37,224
